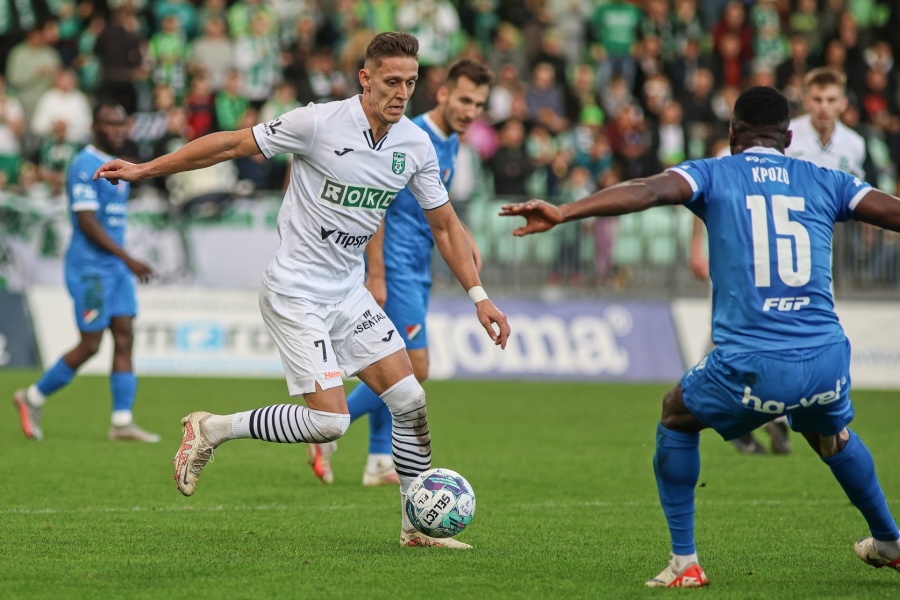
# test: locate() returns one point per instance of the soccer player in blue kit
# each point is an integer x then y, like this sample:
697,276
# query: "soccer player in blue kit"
399,266
780,349
100,278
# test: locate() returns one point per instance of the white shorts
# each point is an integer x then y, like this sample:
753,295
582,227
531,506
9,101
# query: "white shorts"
320,342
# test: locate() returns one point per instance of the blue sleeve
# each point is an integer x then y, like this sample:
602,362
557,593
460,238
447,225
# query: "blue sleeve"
851,190
698,175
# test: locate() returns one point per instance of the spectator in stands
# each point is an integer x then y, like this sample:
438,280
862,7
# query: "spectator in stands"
55,155
697,112
85,62
671,147
729,68
118,49
804,22
551,52
543,149
147,127
686,26
614,26
168,53
797,63
212,53
185,11
211,9
435,23
682,70
768,46
318,80
510,165
658,23
570,20
12,126
615,96
241,14
32,65
507,87
256,56
506,49
733,22
581,92
231,104
63,102
545,100
201,107
847,34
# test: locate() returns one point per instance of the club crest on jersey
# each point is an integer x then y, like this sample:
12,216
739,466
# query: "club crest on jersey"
399,163
90,314
355,196
413,331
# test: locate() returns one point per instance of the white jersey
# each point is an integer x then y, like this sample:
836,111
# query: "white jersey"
845,151
341,184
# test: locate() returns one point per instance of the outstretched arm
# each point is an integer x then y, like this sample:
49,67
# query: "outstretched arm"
879,208
453,243
628,197
203,152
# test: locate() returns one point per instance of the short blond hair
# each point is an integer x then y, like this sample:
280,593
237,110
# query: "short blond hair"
823,76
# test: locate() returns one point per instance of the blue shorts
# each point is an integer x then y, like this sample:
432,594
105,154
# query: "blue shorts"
736,393
406,306
99,298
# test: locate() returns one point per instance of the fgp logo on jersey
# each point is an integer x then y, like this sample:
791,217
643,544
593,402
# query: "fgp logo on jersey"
355,196
399,163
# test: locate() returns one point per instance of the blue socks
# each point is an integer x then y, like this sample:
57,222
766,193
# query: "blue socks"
123,385
677,467
363,401
854,469
55,378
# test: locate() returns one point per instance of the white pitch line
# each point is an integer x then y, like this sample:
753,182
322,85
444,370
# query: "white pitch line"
341,507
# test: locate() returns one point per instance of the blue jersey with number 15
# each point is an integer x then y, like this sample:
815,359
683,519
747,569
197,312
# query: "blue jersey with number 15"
770,221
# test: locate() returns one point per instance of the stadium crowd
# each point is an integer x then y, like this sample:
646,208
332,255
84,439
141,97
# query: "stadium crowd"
588,92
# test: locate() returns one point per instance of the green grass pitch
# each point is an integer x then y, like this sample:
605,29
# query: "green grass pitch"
567,504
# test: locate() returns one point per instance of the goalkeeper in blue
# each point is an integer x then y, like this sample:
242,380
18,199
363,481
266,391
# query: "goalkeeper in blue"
398,261
100,277
780,349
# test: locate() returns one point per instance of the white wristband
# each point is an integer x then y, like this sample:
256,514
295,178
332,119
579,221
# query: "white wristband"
477,294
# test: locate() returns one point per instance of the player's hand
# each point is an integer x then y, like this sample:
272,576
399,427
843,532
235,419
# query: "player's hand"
539,216
142,271
378,288
489,315
118,169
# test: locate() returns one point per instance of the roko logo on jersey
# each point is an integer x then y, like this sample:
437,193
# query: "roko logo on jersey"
355,196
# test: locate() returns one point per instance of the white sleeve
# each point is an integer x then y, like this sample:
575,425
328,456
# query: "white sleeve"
426,184
293,132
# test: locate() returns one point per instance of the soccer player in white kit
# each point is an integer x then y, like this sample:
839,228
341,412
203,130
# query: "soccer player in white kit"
351,158
819,135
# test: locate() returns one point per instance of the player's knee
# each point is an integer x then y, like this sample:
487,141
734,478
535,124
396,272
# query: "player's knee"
406,399
328,426
421,373
89,346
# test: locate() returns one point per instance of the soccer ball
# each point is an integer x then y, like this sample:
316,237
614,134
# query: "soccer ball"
440,503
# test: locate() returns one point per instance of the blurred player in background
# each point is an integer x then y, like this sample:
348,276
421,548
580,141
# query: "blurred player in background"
780,349
100,278
399,265
351,158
